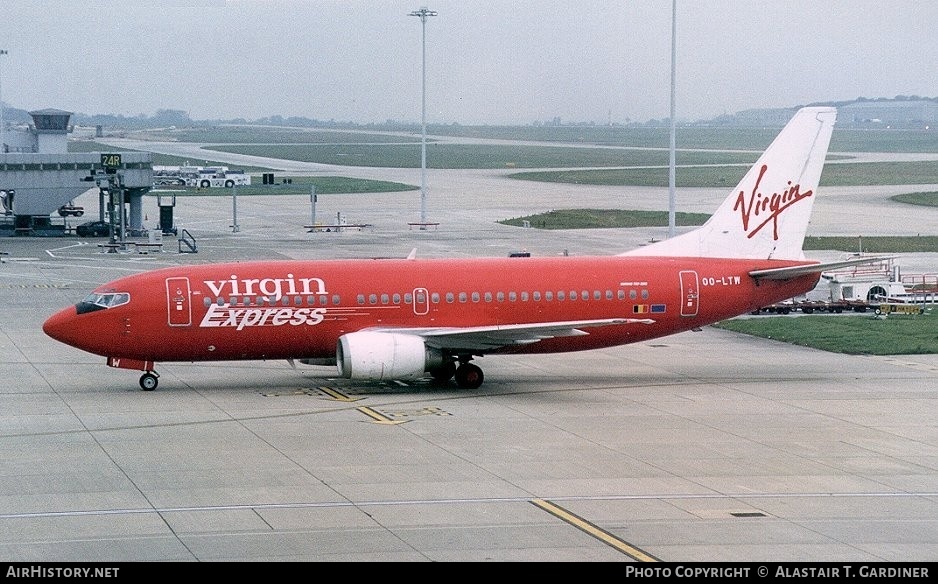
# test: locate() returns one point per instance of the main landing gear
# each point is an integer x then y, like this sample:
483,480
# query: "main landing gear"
468,376
149,380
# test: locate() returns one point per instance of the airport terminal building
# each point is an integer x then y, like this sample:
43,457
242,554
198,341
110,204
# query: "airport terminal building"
38,176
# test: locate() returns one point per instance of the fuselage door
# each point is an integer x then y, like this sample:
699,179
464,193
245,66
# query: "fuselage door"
421,301
690,293
178,302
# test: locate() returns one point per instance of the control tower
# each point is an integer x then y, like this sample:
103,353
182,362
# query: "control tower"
38,175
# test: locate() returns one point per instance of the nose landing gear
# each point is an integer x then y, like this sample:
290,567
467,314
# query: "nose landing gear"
149,380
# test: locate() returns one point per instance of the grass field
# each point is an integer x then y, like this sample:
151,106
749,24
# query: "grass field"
854,334
300,185
689,137
604,218
727,176
706,157
612,218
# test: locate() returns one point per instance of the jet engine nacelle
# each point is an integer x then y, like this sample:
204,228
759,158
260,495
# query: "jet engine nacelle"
380,355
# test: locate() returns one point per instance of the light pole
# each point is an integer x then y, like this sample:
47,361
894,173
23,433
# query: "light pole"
3,148
423,13
671,174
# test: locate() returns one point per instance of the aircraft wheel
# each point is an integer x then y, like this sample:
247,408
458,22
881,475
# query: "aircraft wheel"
444,373
148,381
468,376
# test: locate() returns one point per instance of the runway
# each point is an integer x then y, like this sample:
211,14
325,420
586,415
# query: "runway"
703,446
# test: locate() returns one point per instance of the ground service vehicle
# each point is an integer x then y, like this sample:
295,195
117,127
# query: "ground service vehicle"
219,177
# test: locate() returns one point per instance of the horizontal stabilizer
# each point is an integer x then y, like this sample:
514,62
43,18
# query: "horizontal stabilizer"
795,271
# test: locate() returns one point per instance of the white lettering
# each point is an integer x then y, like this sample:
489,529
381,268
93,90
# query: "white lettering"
275,287
241,318
647,571
59,572
282,316
216,287
710,572
893,572
720,281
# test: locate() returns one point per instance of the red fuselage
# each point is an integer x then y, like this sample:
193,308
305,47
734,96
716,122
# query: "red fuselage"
298,309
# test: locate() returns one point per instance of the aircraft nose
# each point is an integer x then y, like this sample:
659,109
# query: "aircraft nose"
61,326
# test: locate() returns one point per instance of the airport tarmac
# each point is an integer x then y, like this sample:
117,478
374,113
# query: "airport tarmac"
702,446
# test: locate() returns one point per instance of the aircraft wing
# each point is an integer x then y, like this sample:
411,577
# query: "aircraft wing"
489,338
794,271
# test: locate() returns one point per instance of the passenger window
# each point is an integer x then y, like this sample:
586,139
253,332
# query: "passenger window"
644,294
476,297
435,298
512,296
385,299
500,296
537,296
524,297
548,296
463,297
450,297
560,295
488,296
336,299
372,299
361,299
396,298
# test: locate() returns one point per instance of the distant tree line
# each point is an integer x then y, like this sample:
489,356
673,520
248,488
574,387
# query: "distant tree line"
179,118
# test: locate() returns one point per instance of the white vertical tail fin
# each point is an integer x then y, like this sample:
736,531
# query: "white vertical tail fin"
766,216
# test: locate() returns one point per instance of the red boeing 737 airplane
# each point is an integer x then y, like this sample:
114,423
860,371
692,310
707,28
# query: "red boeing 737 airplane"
384,319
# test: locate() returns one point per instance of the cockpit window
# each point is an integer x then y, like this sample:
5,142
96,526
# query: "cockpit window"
96,301
109,300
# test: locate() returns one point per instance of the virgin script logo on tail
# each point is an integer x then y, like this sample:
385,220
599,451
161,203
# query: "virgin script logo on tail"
757,205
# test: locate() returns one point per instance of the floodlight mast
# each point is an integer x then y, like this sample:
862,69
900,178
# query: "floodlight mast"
671,166
423,13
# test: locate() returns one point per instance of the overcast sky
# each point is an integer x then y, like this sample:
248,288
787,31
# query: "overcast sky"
488,61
